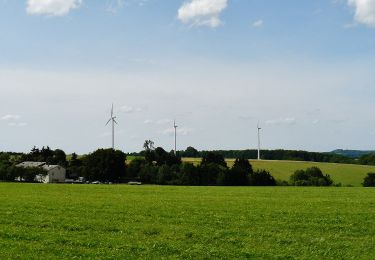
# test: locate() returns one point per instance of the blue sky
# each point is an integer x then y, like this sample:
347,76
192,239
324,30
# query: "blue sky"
303,69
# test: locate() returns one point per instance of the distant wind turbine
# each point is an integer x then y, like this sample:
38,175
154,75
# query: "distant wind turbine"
175,137
259,128
113,120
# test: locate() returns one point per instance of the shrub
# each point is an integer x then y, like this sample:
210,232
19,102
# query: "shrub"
212,157
165,175
310,177
261,178
105,165
148,173
239,174
189,174
134,168
210,173
369,180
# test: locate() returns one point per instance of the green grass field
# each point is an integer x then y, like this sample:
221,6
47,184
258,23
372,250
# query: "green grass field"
346,174
122,222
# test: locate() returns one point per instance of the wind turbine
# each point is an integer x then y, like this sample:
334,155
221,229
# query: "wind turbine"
259,128
113,120
175,137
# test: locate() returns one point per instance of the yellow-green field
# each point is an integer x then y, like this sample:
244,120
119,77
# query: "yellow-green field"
346,174
41,221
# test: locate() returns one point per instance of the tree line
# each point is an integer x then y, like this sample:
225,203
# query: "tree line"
157,166
291,155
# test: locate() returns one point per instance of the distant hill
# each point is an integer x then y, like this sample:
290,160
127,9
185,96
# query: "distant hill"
352,153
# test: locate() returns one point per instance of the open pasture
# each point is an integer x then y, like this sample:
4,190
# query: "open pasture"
120,221
346,174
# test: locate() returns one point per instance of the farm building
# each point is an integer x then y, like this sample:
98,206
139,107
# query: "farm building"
55,173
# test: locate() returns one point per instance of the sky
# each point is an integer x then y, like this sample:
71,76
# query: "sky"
303,69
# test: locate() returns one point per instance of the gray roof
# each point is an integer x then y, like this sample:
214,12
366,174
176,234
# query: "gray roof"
30,164
43,165
49,167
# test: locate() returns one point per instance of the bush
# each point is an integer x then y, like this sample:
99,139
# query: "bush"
134,168
261,178
189,174
165,175
212,157
239,174
210,173
148,174
310,177
369,180
105,165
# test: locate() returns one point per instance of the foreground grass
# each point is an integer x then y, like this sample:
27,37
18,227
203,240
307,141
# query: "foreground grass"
54,221
346,174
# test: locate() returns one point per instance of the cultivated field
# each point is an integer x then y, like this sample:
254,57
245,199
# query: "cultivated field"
120,221
346,174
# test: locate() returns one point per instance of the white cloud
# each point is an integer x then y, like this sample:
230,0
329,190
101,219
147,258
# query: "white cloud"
11,117
148,121
180,131
258,23
158,122
52,7
364,11
164,121
202,12
281,121
130,109
16,124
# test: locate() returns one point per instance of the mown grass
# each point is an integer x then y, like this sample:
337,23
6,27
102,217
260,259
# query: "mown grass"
346,174
122,222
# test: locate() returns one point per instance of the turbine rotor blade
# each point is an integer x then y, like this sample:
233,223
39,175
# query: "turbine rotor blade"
108,121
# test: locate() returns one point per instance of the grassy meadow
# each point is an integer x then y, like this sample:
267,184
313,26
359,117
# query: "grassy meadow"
346,174
121,221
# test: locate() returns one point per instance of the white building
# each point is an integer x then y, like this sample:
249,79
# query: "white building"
55,173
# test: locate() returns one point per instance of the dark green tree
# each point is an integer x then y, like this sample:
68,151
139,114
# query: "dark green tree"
369,180
261,178
105,165
134,168
312,176
148,174
191,152
212,174
213,157
239,174
189,174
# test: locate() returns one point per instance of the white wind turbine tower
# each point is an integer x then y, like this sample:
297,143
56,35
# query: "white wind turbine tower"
259,128
113,120
175,137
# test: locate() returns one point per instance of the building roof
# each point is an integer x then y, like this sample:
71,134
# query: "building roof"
31,164
43,165
49,167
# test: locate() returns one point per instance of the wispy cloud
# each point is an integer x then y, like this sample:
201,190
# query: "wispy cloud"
164,121
282,121
148,121
202,12
11,117
52,7
258,23
17,124
13,120
130,109
181,131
